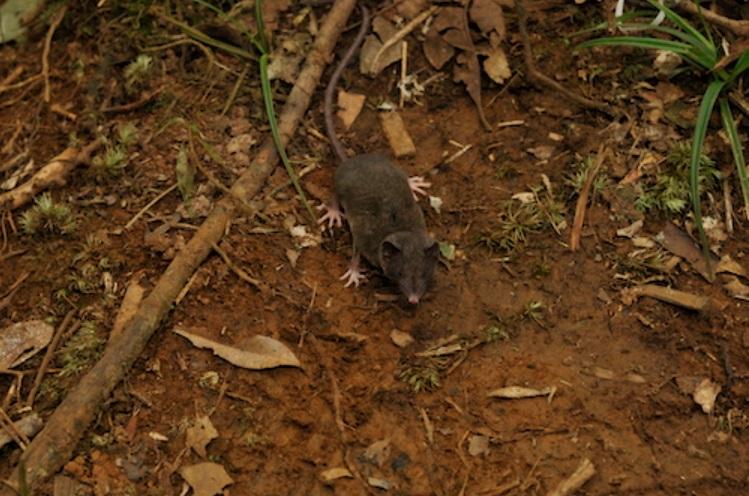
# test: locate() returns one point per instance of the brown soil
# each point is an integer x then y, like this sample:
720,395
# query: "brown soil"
615,367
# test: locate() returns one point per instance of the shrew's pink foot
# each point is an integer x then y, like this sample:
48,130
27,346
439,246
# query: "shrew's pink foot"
417,185
354,274
332,216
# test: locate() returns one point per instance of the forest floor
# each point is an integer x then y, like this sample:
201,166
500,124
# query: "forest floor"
395,396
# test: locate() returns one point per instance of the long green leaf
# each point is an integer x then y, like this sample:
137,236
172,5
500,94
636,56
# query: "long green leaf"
270,112
700,130
620,21
639,42
685,25
737,150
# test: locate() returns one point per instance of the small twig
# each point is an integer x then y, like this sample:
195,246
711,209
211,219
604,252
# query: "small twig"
149,205
404,73
582,200
56,20
14,74
582,474
740,28
542,78
48,355
10,254
7,424
127,107
8,147
20,84
235,89
239,272
18,282
728,205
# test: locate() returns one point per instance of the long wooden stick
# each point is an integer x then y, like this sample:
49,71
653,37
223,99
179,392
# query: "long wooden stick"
54,445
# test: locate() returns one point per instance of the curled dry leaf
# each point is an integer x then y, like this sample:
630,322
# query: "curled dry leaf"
206,479
200,432
259,352
335,473
467,71
22,340
518,392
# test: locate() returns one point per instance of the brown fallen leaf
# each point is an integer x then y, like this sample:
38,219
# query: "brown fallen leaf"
728,265
259,352
378,452
401,339
206,479
448,17
489,17
519,392
369,61
437,51
349,107
199,433
22,340
680,244
737,289
411,8
468,72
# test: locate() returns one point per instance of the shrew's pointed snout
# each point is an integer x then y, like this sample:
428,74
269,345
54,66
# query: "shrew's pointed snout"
413,299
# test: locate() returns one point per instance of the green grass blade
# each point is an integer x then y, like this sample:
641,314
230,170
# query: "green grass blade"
700,130
737,150
204,38
741,65
620,21
270,112
262,39
685,26
639,42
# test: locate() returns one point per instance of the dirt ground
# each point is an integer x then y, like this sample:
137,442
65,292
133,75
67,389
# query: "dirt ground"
537,315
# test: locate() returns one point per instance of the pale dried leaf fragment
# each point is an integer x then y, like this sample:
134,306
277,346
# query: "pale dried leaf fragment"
378,452
206,479
28,426
519,392
397,134
680,244
478,445
349,107
401,339
631,230
728,265
705,394
335,473
496,66
258,352
22,340
130,302
737,289
200,432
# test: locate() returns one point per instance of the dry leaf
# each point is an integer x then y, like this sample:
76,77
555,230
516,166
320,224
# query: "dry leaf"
349,107
397,135
542,152
378,452
737,289
518,392
372,45
206,479
630,230
401,339
335,473
411,8
705,394
259,352
200,432
129,306
496,66
680,244
478,445
437,51
729,266
448,17
22,340
488,16
668,295
467,71
456,37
